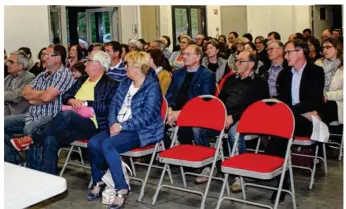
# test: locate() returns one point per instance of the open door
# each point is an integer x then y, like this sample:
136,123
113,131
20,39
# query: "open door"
102,25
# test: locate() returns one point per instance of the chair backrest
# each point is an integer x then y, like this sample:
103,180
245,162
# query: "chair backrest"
164,109
269,119
198,112
217,90
223,80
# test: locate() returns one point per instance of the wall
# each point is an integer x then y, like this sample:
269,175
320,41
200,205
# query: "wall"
213,21
129,16
26,26
320,25
233,18
283,19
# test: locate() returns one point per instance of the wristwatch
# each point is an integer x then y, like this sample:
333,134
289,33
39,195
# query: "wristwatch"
85,104
121,128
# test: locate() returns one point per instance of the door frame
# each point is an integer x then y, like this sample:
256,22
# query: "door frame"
115,31
189,30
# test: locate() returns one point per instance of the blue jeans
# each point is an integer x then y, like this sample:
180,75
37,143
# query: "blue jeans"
102,147
201,136
62,130
15,124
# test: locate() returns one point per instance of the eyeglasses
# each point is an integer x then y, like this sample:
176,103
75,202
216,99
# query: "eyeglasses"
241,61
188,54
288,51
10,62
326,47
50,55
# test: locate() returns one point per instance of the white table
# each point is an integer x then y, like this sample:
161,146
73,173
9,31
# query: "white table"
25,187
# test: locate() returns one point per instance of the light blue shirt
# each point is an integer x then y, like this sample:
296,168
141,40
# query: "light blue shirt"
192,70
297,77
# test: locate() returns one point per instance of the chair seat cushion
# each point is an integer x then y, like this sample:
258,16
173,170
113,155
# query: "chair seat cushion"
186,152
143,148
254,162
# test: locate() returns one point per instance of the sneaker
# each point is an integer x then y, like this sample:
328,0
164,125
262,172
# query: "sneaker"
21,143
236,186
205,172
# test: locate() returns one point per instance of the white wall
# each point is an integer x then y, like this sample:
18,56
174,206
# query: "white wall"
213,21
26,26
128,17
283,19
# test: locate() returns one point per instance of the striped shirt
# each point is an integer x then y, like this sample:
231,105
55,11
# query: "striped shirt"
62,79
272,79
117,72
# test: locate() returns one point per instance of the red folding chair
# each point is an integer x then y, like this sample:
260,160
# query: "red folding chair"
262,118
198,112
148,150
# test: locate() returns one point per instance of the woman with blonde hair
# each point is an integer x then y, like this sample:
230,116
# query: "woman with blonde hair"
134,120
239,47
176,59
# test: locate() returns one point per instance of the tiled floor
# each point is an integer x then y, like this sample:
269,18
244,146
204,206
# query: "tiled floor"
326,194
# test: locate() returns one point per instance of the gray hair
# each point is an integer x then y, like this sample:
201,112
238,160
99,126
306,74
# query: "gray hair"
103,58
278,43
22,58
136,44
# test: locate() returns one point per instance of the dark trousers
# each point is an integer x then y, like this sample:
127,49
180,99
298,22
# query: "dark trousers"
330,112
62,130
185,136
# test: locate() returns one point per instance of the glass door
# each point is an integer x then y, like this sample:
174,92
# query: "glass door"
190,20
102,25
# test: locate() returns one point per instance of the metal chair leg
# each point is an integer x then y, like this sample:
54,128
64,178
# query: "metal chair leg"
325,159
312,178
66,161
225,183
159,185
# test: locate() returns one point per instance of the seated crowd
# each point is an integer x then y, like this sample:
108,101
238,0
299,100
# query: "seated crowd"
113,95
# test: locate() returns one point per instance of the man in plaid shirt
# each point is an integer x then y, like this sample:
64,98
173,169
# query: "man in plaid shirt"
44,95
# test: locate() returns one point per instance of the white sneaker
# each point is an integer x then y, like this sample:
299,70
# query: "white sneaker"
236,186
205,172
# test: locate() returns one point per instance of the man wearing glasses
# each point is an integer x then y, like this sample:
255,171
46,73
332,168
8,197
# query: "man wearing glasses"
239,91
15,82
300,86
44,95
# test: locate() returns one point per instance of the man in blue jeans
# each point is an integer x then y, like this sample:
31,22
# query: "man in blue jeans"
239,91
44,95
94,93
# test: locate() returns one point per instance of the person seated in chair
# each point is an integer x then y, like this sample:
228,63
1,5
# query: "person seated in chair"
134,121
300,86
191,81
91,93
239,91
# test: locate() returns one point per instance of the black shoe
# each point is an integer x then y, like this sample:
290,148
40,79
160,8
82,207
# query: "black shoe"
282,197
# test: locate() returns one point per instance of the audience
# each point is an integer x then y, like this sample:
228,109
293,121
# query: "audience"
14,83
176,60
222,39
307,33
33,66
117,68
78,70
239,91
214,62
41,65
44,95
162,69
332,64
199,39
166,41
274,36
135,45
275,51
336,33
75,55
315,48
239,47
134,120
326,34
261,50
94,91
189,82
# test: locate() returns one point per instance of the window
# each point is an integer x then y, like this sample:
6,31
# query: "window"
189,20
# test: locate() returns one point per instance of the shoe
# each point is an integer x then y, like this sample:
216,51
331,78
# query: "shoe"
119,206
98,193
205,172
281,199
21,143
236,186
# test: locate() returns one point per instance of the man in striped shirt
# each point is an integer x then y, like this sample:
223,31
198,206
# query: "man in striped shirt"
44,95
117,69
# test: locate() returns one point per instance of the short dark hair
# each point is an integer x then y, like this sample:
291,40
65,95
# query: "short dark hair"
253,58
26,50
40,53
116,46
299,36
126,47
80,67
142,41
159,58
307,30
224,37
168,40
275,34
56,40
300,44
60,50
248,36
234,33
